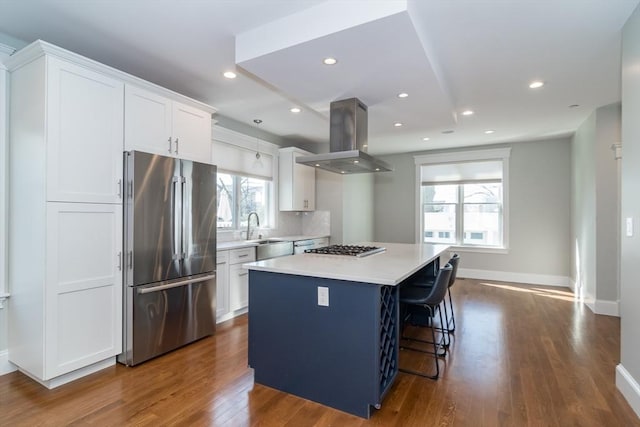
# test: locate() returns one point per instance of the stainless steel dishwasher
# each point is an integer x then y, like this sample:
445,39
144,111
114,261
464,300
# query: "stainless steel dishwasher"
299,246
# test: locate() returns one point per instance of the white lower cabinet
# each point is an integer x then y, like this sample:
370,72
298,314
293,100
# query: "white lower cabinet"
222,283
67,312
233,281
239,277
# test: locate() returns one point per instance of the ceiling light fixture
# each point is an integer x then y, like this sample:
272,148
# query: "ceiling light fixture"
467,113
489,131
230,74
258,163
397,124
295,110
426,138
536,84
403,95
329,61
447,131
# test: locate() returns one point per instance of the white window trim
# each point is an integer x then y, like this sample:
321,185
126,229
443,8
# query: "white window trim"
243,141
467,156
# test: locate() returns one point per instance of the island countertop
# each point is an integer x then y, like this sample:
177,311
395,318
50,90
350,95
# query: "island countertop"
396,263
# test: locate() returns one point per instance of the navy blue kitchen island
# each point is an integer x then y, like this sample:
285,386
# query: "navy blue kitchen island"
325,327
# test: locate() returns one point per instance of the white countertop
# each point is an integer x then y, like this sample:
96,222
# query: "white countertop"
396,263
236,244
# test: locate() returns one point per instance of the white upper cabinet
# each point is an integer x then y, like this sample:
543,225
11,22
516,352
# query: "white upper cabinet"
297,182
159,125
84,116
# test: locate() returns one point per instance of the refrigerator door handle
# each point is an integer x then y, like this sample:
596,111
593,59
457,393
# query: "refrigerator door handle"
176,218
185,208
175,284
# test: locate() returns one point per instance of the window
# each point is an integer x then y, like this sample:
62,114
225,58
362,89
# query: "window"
462,198
245,183
238,196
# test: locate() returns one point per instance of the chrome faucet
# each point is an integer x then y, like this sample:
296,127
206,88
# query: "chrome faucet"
249,232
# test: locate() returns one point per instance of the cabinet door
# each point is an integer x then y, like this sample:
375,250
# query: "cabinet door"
83,295
305,176
147,122
238,287
84,135
191,133
222,283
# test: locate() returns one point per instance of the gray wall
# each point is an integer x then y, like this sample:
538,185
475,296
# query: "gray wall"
350,201
583,208
539,209
630,247
595,207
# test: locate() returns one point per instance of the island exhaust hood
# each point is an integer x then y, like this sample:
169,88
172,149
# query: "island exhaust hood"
347,142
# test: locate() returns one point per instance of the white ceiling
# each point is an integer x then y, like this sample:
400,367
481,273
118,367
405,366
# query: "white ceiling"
448,55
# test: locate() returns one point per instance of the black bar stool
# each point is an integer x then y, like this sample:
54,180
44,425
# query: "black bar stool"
420,301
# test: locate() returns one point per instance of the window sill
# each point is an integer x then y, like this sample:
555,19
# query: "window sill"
480,249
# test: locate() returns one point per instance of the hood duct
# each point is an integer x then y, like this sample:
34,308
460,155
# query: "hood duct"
347,142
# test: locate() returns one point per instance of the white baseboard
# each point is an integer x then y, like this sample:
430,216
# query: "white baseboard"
628,387
6,366
607,308
507,276
572,285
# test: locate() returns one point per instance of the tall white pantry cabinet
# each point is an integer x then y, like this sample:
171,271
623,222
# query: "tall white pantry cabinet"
66,131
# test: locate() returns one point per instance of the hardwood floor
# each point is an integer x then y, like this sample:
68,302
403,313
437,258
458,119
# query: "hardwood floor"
521,356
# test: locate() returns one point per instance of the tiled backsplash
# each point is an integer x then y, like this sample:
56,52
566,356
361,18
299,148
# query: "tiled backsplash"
317,223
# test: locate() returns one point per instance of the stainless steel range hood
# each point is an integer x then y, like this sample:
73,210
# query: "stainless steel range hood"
347,142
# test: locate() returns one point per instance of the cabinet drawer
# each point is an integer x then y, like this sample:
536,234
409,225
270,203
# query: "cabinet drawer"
242,255
222,257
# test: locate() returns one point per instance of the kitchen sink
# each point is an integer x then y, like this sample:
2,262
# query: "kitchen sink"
271,248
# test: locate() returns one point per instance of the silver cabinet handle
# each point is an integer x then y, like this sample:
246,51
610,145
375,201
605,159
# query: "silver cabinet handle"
243,256
120,189
169,144
221,263
119,261
243,274
177,140
175,285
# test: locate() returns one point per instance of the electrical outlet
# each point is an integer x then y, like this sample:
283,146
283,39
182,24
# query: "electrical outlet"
629,227
323,296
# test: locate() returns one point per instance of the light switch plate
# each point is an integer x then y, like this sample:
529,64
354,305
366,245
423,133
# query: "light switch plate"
629,227
323,296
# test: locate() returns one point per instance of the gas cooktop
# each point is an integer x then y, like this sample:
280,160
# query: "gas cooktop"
350,250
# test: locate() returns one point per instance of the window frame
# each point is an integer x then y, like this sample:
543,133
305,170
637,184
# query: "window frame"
502,154
267,222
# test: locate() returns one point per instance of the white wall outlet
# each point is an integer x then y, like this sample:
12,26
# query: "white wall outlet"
629,227
323,296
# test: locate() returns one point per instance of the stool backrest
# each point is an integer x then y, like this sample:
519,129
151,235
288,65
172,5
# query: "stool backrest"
454,261
440,286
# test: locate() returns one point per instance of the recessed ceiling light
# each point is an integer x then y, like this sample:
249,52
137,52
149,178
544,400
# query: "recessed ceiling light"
230,74
355,162
377,169
467,113
489,131
397,124
329,61
447,131
295,110
317,165
403,95
426,138
341,171
536,84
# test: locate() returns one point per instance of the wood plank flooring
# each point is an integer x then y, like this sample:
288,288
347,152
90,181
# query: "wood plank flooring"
521,356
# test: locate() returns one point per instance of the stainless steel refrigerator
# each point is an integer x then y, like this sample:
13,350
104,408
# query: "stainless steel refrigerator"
170,250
